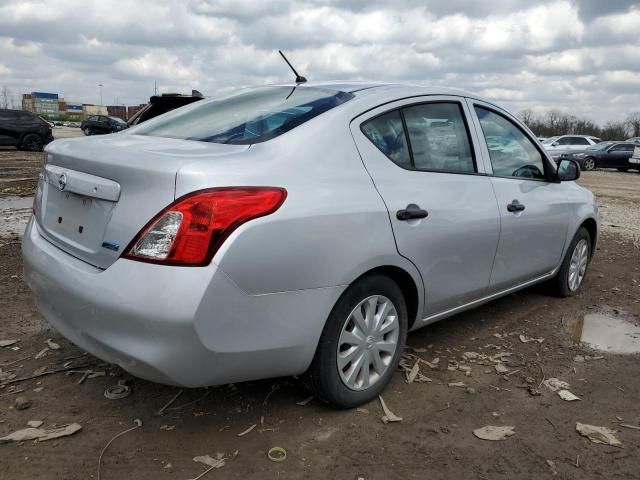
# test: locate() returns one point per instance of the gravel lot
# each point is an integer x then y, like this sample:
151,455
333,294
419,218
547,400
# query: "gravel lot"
434,440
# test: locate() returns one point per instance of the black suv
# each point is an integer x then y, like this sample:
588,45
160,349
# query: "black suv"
100,124
24,130
159,104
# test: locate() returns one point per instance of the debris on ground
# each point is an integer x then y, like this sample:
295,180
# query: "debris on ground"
525,339
211,462
22,403
248,430
277,454
457,385
169,403
137,424
41,434
552,466
168,428
217,462
35,423
364,411
302,403
414,374
602,435
494,433
555,384
388,416
567,396
52,345
41,353
633,427
7,343
117,392
500,368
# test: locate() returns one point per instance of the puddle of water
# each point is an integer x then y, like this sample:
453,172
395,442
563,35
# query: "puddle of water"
14,215
608,333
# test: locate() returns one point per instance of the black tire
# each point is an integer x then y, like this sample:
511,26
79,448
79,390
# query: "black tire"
32,142
323,377
559,285
622,169
589,164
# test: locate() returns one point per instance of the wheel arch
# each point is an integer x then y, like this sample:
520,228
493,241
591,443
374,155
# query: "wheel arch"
592,228
407,283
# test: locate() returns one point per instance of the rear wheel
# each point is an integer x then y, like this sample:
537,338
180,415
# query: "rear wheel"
32,142
361,343
589,164
574,266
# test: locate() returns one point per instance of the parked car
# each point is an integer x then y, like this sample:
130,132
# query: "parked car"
24,130
101,124
635,157
556,146
635,140
298,230
159,104
605,155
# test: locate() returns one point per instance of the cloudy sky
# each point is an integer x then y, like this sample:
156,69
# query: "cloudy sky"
581,56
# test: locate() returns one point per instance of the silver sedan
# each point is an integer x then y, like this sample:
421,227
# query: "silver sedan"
298,229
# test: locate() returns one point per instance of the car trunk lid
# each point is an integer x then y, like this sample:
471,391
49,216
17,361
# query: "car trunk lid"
95,194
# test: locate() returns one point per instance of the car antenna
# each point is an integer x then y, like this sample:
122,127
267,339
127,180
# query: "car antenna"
299,78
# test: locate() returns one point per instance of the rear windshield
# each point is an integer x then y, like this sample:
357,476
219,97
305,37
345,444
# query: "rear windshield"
249,116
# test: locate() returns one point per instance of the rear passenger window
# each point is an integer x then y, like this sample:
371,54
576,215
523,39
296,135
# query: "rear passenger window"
387,133
511,152
438,138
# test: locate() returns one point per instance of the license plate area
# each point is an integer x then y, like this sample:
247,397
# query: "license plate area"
76,220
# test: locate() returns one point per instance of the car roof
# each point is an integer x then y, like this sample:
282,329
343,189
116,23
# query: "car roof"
350,86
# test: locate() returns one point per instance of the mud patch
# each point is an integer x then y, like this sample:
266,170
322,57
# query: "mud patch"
14,215
608,332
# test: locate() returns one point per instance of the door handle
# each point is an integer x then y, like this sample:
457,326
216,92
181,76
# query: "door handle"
515,206
412,212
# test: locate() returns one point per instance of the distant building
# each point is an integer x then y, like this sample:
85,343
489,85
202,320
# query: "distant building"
120,111
72,110
43,103
90,109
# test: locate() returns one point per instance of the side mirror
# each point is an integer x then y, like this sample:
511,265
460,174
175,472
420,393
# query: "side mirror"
568,170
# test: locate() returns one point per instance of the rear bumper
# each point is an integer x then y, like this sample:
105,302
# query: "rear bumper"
182,326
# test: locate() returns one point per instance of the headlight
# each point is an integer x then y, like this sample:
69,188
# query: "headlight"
578,155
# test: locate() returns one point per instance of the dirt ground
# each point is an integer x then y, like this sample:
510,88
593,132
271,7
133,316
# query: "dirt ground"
435,438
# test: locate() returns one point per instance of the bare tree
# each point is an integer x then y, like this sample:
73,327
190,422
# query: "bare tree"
6,97
633,122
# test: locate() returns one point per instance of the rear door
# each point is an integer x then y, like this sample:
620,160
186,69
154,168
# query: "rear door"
9,130
533,207
618,155
442,208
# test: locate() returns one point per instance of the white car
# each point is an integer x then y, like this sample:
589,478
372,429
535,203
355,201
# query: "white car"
556,146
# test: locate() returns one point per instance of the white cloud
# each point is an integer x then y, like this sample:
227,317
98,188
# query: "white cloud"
576,55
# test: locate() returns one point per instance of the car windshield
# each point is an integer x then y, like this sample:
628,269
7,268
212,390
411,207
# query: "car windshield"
600,146
117,120
550,140
250,116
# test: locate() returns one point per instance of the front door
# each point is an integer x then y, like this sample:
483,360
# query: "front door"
533,207
442,208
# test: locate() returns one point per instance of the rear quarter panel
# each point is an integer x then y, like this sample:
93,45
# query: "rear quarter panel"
333,226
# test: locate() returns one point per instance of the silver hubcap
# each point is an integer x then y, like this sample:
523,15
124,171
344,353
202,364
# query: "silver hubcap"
589,164
578,266
368,341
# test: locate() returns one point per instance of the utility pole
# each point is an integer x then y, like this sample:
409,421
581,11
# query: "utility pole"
100,86
155,87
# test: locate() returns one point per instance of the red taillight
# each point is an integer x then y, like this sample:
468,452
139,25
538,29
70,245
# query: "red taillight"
190,230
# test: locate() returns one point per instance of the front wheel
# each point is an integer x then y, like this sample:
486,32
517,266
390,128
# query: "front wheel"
589,164
569,278
361,343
